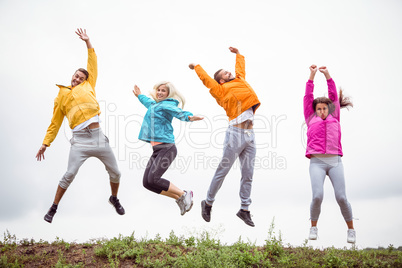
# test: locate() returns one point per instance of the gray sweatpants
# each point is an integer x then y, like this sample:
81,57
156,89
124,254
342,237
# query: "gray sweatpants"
239,143
333,167
84,144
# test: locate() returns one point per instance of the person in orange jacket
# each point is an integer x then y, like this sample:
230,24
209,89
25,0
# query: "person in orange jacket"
240,102
78,103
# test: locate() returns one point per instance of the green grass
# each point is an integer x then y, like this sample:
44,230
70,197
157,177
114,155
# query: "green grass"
178,251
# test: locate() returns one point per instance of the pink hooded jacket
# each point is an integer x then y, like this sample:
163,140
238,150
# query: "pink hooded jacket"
323,136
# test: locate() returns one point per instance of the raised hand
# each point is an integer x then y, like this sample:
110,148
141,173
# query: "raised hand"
82,34
191,66
313,70
234,50
136,91
195,118
324,70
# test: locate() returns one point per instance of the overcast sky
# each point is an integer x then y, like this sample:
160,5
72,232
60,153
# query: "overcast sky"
144,42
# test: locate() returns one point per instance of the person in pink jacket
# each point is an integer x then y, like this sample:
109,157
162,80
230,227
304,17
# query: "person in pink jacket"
324,149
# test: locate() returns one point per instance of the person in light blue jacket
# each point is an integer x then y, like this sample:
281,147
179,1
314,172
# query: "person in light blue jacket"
157,129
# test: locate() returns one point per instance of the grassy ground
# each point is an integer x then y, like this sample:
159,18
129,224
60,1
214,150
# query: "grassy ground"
174,251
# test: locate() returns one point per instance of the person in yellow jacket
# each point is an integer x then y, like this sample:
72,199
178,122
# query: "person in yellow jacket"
78,103
240,102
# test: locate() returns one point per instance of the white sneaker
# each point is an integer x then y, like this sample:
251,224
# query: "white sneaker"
188,200
351,236
313,233
185,202
180,203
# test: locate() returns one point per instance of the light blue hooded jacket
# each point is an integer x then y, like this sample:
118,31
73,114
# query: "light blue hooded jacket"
157,123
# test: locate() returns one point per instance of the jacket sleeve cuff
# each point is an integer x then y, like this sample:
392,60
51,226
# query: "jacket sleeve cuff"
46,143
187,115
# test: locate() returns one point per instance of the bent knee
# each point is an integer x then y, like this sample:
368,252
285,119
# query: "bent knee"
115,177
151,187
66,180
147,184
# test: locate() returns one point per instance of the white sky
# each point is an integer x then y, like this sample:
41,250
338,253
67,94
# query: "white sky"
143,42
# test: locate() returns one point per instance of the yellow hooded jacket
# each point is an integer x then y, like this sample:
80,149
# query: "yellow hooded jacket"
77,103
235,96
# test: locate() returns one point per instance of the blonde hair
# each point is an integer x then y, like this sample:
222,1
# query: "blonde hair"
173,92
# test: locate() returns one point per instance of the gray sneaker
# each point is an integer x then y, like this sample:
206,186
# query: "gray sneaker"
245,216
206,211
116,204
49,215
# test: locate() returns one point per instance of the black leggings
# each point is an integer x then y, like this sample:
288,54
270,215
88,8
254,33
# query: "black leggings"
161,158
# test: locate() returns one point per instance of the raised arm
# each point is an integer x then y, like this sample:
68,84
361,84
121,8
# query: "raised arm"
332,94
208,81
92,64
313,71
309,95
142,98
240,67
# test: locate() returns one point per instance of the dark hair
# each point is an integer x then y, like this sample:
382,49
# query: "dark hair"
344,102
83,71
325,100
217,76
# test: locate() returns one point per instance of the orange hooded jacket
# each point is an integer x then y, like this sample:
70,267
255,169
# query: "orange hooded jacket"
235,96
